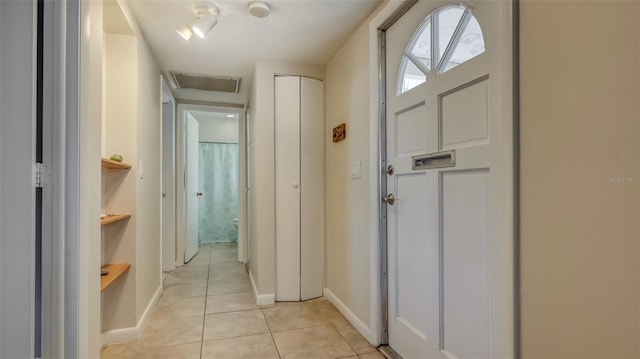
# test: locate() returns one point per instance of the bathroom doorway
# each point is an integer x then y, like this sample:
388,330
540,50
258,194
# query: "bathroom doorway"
217,177
214,210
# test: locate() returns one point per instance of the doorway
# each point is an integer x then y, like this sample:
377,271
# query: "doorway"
211,193
447,175
217,177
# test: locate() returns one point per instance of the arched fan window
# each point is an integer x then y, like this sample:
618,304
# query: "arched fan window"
446,38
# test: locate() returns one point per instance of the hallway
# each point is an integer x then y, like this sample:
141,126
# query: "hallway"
207,310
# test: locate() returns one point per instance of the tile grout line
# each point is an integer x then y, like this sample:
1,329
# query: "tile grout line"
210,268
300,328
271,333
204,315
236,337
343,338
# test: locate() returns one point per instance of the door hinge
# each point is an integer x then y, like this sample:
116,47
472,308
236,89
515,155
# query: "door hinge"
41,175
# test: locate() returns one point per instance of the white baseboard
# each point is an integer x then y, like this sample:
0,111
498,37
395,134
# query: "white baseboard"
261,299
125,335
265,299
352,318
149,308
118,336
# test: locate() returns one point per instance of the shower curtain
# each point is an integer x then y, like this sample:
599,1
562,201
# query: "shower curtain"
218,180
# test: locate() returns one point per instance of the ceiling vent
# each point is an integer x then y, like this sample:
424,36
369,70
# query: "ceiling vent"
207,83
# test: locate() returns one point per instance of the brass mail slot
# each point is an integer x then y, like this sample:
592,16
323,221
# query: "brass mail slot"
434,160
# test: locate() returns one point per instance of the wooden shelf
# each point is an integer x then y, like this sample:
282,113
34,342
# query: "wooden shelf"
114,272
114,218
114,165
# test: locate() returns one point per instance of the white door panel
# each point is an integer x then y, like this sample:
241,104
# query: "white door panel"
299,197
191,246
287,196
414,252
410,128
465,263
312,193
447,234
464,114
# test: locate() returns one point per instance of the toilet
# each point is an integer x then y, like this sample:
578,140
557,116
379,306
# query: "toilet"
235,223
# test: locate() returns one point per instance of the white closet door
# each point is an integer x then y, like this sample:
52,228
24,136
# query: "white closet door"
312,190
287,196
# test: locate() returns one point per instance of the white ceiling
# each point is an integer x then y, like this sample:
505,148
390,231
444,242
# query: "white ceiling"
304,31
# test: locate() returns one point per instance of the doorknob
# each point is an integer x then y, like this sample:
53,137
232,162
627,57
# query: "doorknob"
390,199
199,194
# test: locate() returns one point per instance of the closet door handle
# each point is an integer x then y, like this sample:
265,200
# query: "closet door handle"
199,194
295,185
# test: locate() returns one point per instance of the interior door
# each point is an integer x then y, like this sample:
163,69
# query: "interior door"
168,183
448,184
192,190
287,154
312,194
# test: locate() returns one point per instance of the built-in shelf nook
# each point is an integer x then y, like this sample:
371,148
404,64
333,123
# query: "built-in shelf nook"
119,221
115,165
112,218
112,272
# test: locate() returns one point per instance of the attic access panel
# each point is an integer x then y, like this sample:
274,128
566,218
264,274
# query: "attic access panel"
207,83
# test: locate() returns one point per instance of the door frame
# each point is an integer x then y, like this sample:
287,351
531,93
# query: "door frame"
168,129
18,30
378,27
63,332
181,229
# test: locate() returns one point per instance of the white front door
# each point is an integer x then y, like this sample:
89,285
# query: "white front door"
192,190
449,124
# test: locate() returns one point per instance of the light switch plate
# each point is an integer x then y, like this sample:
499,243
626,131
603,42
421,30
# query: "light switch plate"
356,169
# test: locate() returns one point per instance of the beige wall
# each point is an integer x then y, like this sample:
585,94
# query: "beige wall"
580,73
352,240
262,219
223,130
149,200
119,187
347,200
131,127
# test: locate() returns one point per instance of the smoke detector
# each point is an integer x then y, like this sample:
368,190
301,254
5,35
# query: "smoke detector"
259,9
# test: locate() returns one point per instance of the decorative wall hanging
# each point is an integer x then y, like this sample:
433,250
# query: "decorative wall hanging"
340,132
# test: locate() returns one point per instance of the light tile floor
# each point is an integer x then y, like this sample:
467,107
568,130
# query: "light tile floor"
207,310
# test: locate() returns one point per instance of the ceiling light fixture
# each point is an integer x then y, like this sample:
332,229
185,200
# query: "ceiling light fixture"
206,19
185,32
259,9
